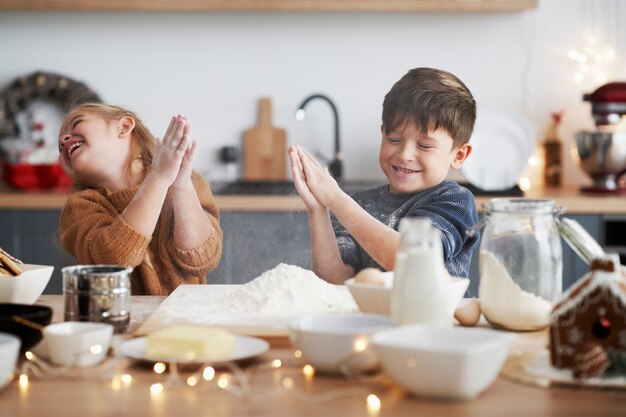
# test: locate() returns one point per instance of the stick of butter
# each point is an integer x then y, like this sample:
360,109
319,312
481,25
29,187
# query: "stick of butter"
190,342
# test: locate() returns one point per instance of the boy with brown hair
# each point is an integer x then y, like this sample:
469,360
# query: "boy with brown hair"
427,121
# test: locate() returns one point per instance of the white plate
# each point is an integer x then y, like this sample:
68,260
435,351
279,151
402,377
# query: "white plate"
541,367
245,347
502,143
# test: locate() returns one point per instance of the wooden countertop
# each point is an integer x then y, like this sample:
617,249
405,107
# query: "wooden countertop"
572,199
92,393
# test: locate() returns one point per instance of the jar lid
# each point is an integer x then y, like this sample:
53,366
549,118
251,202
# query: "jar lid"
580,240
521,205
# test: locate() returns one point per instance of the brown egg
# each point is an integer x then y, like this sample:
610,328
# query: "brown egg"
468,313
371,276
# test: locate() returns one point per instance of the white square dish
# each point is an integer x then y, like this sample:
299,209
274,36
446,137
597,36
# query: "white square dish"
26,287
453,363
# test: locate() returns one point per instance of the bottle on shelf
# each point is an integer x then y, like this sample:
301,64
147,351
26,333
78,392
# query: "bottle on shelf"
552,145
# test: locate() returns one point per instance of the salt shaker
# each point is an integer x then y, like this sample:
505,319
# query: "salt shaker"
418,293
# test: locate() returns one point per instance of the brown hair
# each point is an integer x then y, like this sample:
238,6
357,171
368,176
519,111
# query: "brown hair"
431,98
143,143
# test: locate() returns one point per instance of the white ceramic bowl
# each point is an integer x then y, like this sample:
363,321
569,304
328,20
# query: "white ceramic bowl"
335,343
372,298
454,363
9,349
26,287
77,343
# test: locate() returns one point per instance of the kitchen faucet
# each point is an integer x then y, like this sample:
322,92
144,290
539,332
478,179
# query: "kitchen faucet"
336,166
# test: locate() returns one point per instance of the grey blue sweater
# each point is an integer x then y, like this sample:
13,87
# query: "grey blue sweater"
450,206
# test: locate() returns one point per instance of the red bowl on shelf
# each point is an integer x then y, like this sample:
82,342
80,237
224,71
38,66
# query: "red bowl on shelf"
35,176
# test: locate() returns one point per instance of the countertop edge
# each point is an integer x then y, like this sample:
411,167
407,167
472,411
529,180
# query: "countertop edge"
571,199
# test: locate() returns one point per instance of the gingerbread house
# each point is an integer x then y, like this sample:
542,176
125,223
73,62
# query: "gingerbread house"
588,325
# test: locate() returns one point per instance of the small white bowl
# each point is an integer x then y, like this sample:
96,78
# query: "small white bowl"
372,298
335,343
26,287
9,349
77,343
453,363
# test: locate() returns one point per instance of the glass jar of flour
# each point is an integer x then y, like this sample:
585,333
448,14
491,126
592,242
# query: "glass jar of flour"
520,263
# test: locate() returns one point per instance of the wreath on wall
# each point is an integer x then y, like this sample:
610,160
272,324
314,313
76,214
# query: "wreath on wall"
39,85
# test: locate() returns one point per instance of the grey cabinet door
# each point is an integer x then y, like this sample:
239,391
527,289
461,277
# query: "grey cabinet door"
255,242
573,266
32,236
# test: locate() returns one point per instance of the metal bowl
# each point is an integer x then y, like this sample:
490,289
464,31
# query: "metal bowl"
602,155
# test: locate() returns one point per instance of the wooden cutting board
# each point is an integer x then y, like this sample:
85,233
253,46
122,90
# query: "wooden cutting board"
264,148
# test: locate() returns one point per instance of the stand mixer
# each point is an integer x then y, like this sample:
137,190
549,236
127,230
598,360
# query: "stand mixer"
602,153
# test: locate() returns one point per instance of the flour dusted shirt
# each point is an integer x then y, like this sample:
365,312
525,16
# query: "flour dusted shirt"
450,206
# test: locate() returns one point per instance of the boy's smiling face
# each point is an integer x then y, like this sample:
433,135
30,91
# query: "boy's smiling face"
415,161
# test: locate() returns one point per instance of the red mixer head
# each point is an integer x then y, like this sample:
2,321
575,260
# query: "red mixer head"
608,103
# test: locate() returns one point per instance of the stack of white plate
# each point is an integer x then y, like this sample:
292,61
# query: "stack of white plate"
502,143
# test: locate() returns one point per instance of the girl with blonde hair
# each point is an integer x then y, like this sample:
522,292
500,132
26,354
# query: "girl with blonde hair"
138,203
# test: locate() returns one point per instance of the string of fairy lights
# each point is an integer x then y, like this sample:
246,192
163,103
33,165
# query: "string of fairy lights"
228,377
596,60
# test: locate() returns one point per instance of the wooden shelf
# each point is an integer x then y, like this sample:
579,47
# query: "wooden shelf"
274,5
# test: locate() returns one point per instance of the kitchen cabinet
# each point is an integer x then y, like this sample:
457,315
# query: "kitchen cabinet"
254,242
275,5
32,236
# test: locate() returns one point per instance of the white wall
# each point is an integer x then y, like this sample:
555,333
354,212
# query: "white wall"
214,66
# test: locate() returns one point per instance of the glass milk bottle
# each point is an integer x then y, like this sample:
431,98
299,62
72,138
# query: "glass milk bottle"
520,263
418,293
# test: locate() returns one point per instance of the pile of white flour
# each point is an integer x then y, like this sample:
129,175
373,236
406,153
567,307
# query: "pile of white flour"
285,291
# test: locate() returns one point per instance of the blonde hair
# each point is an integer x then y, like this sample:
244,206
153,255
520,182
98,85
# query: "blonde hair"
143,142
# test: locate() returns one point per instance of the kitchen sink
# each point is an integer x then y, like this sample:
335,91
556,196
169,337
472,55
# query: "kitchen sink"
242,187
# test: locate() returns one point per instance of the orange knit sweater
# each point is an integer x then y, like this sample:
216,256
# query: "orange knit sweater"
94,232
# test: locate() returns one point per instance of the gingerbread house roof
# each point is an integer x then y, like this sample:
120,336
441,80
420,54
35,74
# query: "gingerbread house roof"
611,282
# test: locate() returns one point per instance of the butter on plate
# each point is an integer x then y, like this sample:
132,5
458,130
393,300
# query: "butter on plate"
190,342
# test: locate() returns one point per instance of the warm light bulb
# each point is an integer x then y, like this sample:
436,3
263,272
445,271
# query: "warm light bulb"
373,404
208,374
222,382
192,381
525,184
308,371
578,78
360,344
23,381
297,354
29,355
116,383
287,383
533,161
156,388
95,349
276,363
126,379
159,367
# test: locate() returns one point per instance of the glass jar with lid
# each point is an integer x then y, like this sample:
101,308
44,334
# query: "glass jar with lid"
520,263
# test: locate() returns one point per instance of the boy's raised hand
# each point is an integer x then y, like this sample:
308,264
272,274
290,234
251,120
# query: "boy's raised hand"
170,151
299,181
319,181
